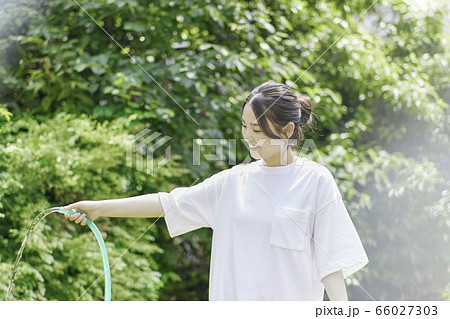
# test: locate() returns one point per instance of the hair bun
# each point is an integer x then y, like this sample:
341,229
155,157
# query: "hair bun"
305,108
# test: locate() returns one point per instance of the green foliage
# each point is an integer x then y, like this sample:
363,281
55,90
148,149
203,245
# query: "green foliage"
59,161
4,114
381,93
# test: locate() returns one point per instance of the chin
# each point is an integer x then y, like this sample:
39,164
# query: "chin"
255,155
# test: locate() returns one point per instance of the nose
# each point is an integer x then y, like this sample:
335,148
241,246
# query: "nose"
248,136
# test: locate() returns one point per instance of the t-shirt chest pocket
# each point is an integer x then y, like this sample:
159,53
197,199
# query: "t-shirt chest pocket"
290,228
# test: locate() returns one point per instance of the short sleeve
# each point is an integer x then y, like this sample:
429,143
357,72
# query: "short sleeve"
190,208
337,245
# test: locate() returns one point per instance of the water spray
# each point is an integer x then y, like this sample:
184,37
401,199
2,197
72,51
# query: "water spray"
92,226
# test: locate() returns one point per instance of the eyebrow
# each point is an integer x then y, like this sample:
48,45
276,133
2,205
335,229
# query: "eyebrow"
254,124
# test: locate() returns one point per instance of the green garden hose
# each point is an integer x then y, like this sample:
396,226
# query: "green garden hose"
101,243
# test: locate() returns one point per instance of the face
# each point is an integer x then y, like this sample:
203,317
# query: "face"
260,145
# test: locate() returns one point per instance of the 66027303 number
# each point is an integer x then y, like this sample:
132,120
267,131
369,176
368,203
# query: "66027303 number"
406,310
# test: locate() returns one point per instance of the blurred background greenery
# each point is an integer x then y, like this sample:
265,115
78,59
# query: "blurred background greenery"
70,98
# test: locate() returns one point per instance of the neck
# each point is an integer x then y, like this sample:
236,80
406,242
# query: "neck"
281,159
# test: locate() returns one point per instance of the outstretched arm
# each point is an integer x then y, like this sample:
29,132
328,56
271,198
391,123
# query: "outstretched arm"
335,286
144,206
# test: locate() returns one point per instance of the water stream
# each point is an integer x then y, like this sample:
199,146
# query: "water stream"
38,218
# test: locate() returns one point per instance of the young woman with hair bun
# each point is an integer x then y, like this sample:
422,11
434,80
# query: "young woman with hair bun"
280,228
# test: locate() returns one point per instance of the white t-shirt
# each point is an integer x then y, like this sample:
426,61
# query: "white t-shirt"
277,231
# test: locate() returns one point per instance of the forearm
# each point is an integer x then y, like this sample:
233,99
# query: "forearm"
144,206
335,286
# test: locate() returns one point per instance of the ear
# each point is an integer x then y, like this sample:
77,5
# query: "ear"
288,130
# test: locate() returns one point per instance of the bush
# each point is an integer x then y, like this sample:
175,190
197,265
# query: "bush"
59,161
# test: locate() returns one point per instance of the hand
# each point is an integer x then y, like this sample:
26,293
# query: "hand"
84,208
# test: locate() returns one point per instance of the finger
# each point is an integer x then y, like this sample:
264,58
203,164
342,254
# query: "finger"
74,216
71,206
83,222
80,219
67,215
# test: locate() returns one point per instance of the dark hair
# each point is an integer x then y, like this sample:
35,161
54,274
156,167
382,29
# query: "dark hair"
278,103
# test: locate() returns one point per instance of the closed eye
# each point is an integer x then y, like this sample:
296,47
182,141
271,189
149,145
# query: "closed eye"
253,130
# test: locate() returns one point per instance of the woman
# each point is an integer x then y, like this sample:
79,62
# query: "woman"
280,228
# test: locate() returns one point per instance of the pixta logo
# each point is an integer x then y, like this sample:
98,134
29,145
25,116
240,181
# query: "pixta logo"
140,150
220,146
